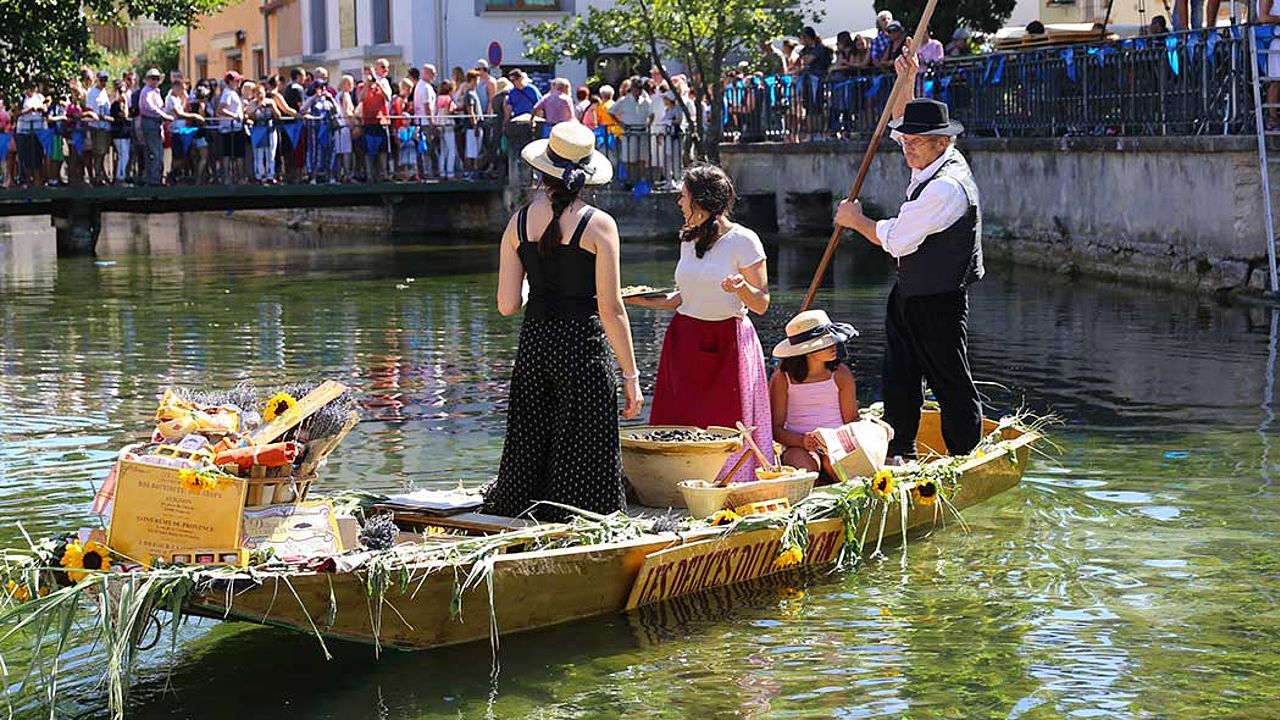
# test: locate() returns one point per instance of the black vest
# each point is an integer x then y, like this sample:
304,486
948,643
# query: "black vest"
952,258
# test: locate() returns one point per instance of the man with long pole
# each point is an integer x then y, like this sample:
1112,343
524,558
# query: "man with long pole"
936,241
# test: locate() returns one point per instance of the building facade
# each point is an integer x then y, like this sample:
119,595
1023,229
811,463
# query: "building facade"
126,39
1123,12
348,35
249,37
256,37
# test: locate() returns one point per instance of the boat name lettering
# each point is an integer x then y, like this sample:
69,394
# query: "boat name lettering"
724,565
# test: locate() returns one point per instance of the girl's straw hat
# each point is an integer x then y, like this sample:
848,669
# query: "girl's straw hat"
569,154
811,331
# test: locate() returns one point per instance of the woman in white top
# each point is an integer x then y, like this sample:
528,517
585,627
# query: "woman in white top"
712,367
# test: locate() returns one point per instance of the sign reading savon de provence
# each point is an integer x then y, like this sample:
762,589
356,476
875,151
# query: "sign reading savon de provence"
155,516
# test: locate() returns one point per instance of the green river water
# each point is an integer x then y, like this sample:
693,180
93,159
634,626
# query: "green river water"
1136,575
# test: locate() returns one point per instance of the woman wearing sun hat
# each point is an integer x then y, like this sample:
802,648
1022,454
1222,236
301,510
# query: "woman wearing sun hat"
811,389
562,418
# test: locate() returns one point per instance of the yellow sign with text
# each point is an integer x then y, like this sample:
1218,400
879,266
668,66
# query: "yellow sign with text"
154,516
726,560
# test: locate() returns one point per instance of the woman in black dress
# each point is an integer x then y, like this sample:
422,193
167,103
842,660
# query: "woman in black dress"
562,420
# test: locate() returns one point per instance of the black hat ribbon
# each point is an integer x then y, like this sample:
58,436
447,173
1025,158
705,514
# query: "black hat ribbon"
573,174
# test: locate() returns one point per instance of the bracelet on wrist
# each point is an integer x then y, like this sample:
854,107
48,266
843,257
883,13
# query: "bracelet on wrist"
635,376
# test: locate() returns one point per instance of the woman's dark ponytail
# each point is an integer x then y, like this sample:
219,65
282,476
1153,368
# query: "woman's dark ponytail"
711,190
561,197
702,235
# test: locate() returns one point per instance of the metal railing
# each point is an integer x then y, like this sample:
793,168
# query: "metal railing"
1189,83
306,149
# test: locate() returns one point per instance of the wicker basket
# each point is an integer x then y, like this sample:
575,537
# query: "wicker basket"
794,488
655,469
276,490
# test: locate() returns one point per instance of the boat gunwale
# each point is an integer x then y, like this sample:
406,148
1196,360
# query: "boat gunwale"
694,535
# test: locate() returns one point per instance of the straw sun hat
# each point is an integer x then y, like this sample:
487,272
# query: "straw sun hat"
811,331
569,154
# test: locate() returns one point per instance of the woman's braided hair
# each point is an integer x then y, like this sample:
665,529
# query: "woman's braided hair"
561,196
710,189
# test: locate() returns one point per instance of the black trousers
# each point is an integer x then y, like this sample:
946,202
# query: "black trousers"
926,338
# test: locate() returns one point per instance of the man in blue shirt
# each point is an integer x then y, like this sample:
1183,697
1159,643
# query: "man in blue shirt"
523,95
880,45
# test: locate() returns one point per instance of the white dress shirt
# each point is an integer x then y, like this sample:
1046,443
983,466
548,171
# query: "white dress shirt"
940,204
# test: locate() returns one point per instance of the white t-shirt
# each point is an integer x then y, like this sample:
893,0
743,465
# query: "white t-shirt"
98,101
632,112
232,102
699,280
657,109
172,104
424,102
32,122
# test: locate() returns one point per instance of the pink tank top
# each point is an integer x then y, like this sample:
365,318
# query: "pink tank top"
813,405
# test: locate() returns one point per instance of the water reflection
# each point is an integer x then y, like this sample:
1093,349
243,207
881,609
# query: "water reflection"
1132,576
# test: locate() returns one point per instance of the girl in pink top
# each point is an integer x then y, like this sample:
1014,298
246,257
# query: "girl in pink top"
811,389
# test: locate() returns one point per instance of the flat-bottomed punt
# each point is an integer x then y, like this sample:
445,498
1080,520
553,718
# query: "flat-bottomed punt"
417,607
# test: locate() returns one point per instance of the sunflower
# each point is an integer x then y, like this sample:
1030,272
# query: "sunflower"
883,483
197,481
725,517
277,406
21,593
91,556
925,492
791,556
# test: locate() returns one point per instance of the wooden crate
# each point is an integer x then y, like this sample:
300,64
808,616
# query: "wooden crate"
263,491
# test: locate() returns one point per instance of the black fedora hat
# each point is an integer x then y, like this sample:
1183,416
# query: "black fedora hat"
926,117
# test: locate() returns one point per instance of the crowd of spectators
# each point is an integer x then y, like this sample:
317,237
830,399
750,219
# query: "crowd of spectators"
163,130
235,130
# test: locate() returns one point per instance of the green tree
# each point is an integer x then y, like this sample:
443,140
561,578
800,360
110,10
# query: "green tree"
699,34
161,51
986,16
48,40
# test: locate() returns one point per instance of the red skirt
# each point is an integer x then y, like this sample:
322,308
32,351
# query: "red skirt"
698,374
712,373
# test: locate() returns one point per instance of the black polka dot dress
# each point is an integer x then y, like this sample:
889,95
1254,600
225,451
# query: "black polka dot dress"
562,419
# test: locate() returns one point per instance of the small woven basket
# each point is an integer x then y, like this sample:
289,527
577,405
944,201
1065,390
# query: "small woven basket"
794,488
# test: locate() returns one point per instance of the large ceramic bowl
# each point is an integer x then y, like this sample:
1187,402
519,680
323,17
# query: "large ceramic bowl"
655,467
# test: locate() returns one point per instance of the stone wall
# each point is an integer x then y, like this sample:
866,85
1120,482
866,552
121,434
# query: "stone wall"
650,217
1181,211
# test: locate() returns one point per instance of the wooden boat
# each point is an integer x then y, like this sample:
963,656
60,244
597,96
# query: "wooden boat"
535,589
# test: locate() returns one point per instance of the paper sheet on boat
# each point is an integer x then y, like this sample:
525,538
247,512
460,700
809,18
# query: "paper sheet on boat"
442,502
857,449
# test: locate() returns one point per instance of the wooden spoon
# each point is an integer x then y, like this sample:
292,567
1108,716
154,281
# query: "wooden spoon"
742,460
751,443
